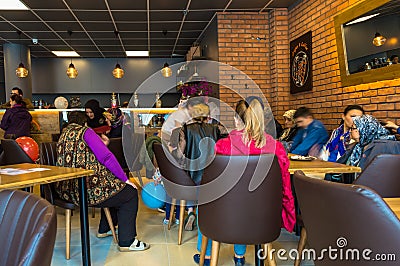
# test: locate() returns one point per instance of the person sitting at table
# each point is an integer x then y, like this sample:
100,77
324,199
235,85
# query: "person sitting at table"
80,147
96,119
290,127
340,138
249,138
311,136
25,101
364,130
117,119
16,120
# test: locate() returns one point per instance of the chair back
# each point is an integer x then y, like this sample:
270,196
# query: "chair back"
28,229
177,182
346,217
13,153
48,156
242,213
382,175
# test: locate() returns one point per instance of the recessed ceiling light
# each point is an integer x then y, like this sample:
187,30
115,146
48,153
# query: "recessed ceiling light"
362,19
12,5
66,53
137,53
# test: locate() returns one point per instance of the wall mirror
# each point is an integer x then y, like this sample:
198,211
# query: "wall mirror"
368,41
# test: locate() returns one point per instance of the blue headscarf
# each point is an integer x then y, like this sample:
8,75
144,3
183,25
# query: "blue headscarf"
370,129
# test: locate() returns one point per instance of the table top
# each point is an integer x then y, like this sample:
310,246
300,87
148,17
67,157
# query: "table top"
33,177
394,204
322,167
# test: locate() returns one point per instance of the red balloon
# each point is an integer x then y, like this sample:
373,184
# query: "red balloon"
30,147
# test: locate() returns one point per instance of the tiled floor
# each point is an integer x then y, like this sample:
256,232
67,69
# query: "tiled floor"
164,250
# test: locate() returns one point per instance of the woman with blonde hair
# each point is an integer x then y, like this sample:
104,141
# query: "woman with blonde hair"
249,138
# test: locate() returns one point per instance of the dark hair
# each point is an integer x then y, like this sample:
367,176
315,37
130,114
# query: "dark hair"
302,112
194,101
77,117
17,99
92,104
19,91
353,107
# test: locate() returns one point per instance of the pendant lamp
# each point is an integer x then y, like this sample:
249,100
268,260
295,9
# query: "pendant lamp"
71,71
166,71
379,40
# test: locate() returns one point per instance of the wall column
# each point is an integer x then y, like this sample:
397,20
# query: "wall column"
13,55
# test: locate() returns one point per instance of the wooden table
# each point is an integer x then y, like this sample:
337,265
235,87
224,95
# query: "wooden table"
321,167
53,175
394,204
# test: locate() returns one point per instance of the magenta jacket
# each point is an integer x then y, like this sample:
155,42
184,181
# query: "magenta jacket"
233,145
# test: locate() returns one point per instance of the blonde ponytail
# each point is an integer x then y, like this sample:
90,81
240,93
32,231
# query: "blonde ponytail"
254,124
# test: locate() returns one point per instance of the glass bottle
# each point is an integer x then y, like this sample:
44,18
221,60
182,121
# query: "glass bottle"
113,100
158,100
135,100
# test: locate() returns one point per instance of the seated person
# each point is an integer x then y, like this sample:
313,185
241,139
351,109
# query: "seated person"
392,127
340,139
290,127
117,119
80,147
311,136
26,101
394,59
249,138
96,119
16,120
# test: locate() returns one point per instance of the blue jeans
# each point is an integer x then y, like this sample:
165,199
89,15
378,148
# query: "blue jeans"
240,250
168,211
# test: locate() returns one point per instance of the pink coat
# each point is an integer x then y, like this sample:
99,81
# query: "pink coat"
233,145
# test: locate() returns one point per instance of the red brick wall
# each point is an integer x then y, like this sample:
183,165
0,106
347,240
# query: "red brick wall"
329,98
267,62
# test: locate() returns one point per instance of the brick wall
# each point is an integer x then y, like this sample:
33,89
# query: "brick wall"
267,62
329,98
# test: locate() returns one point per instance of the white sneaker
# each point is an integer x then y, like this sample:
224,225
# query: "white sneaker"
137,245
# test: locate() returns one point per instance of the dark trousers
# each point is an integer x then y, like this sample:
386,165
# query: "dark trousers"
123,208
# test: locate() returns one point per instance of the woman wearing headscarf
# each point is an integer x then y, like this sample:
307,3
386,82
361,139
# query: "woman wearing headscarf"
116,118
290,127
364,130
96,119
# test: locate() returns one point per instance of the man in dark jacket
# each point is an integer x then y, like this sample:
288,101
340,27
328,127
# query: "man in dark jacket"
18,91
16,120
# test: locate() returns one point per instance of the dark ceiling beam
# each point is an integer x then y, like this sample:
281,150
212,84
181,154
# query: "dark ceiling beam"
115,26
185,12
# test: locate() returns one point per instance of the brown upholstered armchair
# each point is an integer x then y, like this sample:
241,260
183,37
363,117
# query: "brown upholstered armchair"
28,229
346,217
252,187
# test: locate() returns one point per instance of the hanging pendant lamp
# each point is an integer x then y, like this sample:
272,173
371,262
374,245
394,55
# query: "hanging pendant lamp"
379,40
118,72
21,71
166,71
71,71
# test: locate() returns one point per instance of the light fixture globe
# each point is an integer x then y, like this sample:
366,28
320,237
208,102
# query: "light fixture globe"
21,71
118,72
379,40
166,71
72,72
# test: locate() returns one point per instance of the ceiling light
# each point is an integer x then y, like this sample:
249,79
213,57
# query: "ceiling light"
118,72
21,71
137,53
166,71
362,19
12,5
379,40
71,71
66,53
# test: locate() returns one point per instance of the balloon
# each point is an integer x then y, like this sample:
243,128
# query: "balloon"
30,147
153,196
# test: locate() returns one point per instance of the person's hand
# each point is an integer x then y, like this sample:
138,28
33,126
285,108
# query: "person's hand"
391,125
128,182
105,139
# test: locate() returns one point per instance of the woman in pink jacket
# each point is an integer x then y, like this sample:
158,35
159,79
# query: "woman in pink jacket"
250,139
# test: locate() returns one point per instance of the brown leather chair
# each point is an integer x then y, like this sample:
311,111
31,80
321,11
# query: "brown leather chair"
13,153
382,175
48,156
238,213
28,229
350,215
177,183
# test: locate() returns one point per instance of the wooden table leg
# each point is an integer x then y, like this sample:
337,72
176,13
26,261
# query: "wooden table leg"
83,207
